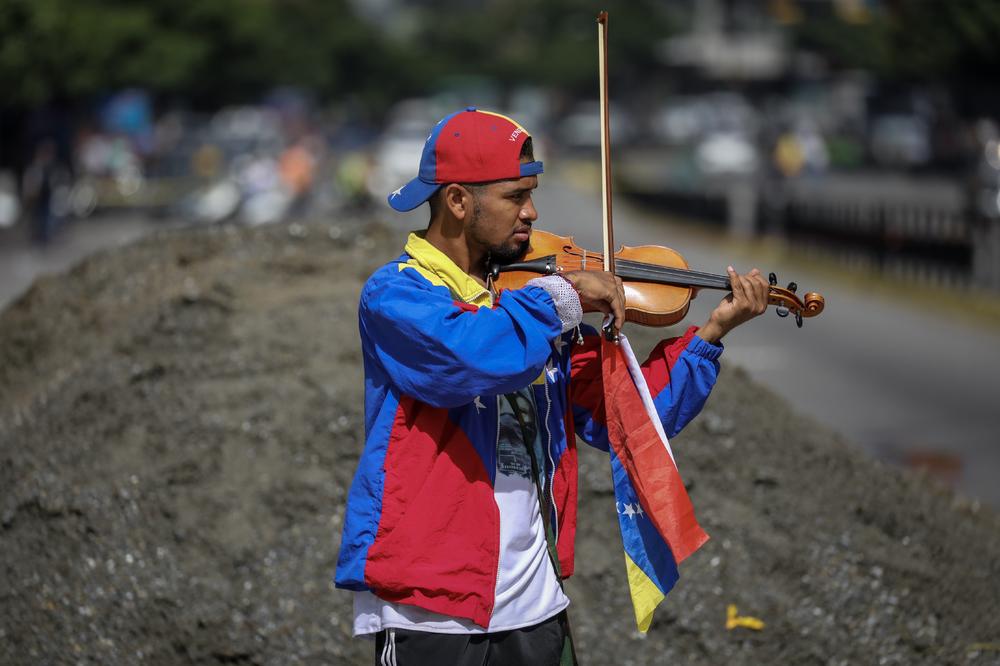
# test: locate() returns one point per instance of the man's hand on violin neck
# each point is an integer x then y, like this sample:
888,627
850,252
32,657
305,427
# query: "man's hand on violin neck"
599,290
747,300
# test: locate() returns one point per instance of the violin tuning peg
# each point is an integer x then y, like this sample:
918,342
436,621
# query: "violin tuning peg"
772,279
781,310
798,319
792,287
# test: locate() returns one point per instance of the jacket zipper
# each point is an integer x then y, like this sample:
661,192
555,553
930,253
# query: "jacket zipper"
552,462
496,470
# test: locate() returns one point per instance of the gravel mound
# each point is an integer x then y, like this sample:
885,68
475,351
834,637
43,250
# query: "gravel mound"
180,420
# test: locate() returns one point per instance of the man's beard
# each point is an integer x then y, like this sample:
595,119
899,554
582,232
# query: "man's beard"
507,253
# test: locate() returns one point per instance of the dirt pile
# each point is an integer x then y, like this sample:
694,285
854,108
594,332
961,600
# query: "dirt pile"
180,420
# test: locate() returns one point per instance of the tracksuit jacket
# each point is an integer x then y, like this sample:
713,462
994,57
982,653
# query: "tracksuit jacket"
422,526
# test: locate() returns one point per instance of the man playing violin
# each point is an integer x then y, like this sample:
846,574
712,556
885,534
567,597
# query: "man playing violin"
461,517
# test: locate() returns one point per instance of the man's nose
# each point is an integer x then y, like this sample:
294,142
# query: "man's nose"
528,212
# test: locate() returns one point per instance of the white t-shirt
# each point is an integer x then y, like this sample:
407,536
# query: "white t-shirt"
527,590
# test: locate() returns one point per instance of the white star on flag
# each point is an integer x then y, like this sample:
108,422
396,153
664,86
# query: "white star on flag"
551,371
629,511
478,404
559,343
638,509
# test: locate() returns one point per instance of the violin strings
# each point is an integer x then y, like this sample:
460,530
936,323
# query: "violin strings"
675,279
635,270
713,280
721,279
640,271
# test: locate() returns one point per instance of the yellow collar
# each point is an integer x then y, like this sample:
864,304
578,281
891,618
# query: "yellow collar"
435,265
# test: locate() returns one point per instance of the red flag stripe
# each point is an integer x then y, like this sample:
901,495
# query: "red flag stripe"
641,451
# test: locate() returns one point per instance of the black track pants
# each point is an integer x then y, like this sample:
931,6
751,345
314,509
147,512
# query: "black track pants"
539,645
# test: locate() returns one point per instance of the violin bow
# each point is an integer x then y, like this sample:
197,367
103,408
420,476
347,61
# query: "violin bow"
814,302
609,241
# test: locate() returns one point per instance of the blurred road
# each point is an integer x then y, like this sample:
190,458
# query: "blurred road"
903,383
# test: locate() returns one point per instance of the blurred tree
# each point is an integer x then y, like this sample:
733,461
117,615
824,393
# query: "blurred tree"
913,39
212,52
223,51
231,50
532,42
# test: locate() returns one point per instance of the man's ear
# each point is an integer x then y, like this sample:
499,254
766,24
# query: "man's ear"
458,200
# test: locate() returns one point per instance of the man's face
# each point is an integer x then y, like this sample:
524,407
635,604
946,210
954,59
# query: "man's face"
502,217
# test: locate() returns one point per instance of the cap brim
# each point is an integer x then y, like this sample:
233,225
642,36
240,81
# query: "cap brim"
531,168
412,194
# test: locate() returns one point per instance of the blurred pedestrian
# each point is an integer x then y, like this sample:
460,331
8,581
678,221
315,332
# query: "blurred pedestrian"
297,170
41,180
351,175
789,158
296,167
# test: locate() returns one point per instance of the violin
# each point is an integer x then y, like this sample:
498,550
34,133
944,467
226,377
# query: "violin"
658,284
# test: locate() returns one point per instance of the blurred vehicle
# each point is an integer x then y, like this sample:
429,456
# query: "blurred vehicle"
215,202
531,106
580,129
684,120
726,153
678,122
110,173
396,155
718,129
900,140
260,196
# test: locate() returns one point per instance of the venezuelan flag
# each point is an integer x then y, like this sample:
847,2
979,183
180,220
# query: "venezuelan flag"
655,515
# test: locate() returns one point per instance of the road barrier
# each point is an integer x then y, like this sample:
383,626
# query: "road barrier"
919,230
927,245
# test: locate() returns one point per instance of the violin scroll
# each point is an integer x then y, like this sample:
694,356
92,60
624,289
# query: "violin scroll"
788,302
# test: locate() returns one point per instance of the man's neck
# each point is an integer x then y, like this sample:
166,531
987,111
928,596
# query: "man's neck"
451,240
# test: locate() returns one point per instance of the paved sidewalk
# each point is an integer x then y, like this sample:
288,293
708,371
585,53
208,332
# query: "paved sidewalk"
22,260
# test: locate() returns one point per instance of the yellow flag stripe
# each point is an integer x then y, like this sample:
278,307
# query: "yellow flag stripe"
646,596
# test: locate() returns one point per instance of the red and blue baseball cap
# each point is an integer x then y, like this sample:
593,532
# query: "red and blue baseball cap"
469,146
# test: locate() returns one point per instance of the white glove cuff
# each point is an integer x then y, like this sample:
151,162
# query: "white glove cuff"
564,296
